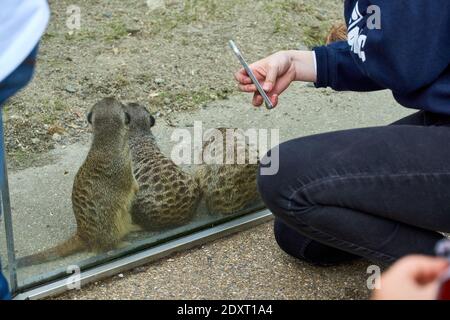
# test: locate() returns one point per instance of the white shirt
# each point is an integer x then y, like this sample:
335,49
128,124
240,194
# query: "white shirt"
22,23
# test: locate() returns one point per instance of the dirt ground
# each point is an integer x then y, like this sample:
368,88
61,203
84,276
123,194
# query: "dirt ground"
171,55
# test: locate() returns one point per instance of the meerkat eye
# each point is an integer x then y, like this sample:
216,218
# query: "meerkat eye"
152,121
127,118
89,117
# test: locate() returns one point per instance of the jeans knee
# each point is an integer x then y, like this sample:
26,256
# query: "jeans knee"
278,187
269,190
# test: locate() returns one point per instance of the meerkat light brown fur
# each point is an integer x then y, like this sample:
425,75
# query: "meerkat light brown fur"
103,189
227,188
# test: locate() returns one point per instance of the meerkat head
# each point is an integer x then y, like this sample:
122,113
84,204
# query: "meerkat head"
140,118
108,115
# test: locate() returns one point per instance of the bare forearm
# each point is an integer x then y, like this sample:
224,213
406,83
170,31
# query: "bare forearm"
304,65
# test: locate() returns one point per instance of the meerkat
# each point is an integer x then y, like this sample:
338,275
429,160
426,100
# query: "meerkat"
103,189
168,196
227,188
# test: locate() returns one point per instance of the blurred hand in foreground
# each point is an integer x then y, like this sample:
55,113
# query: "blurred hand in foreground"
412,278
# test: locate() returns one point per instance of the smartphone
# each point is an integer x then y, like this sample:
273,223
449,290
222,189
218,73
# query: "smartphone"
250,73
443,250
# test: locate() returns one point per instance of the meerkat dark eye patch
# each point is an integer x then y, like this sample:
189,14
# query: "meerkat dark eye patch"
152,121
89,117
127,118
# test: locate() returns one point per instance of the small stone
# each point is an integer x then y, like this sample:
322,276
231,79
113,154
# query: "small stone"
159,81
120,275
70,89
35,140
133,30
107,14
56,137
166,101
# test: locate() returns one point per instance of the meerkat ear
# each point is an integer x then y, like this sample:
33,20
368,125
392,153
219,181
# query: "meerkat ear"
127,118
152,121
89,117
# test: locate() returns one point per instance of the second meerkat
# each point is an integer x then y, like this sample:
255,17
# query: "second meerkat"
168,197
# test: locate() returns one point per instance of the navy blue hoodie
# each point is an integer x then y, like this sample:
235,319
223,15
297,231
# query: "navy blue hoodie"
401,45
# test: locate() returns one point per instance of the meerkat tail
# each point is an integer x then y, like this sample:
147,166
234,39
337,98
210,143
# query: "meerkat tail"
70,246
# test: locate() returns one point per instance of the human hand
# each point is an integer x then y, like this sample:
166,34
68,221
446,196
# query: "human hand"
412,278
276,73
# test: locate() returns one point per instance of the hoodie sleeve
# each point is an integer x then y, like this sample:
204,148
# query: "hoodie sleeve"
401,45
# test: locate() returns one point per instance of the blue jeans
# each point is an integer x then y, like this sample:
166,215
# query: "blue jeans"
8,87
379,193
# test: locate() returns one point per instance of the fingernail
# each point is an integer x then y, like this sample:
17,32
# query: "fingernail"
266,86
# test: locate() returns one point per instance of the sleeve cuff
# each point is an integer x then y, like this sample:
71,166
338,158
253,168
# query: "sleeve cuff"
321,56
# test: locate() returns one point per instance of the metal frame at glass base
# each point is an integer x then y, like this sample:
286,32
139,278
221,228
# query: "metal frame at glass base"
149,255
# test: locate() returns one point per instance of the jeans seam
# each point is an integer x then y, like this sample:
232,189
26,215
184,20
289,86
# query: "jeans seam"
349,244
363,176
397,226
304,246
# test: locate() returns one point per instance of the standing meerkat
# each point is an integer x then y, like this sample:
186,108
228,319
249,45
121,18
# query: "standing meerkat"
168,197
227,188
103,189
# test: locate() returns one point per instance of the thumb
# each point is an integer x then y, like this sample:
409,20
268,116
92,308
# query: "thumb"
425,269
271,79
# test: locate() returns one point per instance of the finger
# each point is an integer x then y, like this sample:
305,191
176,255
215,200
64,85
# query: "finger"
281,85
247,88
257,99
424,269
431,272
242,77
258,71
271,79
274,100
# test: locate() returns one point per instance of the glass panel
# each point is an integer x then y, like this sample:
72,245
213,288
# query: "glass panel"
3,251
43,215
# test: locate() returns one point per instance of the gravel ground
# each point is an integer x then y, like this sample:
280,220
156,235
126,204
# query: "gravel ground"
248,265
